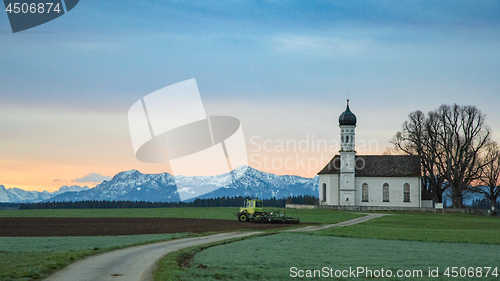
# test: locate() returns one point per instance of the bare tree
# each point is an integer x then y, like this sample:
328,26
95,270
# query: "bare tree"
416,139
461,137
490,175
449,141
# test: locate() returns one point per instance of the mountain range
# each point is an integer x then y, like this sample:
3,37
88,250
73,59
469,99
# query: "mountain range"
17,195
164,187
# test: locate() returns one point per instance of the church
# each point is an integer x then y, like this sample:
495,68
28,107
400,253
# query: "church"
368,180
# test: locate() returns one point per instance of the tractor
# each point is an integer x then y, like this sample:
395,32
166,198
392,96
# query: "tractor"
252,212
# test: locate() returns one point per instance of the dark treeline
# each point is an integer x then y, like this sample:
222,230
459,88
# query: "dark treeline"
9,206
211,202
483,204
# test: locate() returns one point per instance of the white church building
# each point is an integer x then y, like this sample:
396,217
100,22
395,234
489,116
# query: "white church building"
368,180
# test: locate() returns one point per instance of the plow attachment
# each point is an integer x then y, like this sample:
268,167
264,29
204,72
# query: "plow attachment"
271,217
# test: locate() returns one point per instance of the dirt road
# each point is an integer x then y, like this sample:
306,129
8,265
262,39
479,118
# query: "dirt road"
134,263
344,223
137,263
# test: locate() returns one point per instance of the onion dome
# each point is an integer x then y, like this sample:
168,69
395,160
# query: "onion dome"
347,117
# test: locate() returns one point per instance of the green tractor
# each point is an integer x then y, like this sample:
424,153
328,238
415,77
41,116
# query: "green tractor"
251,209
252,212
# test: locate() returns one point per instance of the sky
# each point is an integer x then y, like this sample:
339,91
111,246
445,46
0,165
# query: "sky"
283,68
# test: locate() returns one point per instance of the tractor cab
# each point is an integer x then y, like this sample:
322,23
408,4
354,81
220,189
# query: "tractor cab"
252,206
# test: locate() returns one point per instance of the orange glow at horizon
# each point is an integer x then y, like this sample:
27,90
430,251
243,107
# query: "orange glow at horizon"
32,176
40,176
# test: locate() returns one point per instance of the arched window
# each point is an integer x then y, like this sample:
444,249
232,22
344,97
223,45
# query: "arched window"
385,191
364,192
406,192
346,138
324,192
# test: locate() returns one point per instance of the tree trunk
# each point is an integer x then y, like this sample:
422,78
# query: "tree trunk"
439,196
493,205
458,200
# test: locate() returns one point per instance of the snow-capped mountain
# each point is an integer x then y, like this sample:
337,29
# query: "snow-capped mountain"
135,186
129,185
15,195
246,181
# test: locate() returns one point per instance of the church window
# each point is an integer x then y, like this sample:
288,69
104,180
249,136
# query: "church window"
324,192
364,192
406,190
385,191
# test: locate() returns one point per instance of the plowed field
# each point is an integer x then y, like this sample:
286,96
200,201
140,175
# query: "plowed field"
29,226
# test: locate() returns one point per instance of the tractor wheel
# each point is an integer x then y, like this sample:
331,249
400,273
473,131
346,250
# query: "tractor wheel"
257,217
243,217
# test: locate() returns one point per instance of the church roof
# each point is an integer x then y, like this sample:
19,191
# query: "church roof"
347,117
379,166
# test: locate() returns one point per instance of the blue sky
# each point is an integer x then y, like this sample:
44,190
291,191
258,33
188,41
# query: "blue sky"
284,68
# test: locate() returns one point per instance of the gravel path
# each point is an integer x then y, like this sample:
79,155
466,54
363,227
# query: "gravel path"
134,263
344,223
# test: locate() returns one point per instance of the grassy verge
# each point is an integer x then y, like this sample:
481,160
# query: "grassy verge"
425,227
272,258
29,258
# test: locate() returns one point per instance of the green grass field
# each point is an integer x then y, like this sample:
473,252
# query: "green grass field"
73,243
272,257
399,241
202,213
471,241
25,258
425,227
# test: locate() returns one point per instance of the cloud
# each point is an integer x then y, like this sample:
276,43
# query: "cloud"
92,177
59,180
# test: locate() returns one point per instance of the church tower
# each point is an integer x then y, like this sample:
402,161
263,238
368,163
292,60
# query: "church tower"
347,124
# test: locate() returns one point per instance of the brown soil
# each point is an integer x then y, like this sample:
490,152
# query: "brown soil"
119,226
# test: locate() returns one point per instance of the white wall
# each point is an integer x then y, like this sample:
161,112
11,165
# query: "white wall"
427,204
332,190
396,196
